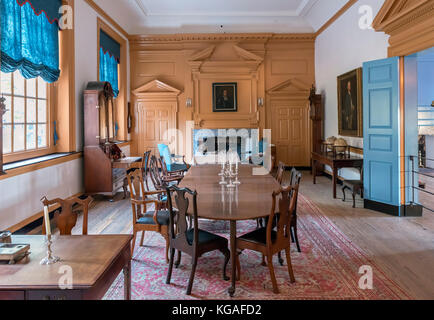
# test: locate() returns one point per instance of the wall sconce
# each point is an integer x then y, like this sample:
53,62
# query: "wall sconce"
189,103
260,102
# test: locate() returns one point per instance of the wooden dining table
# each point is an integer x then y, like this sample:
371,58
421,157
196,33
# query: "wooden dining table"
88,265
251,199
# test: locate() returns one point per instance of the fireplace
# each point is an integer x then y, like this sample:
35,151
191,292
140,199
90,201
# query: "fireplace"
208,142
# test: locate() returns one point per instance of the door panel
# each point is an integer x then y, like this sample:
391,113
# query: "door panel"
290,132
381,131
154,121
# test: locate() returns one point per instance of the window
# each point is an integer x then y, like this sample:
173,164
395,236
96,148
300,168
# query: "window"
26,125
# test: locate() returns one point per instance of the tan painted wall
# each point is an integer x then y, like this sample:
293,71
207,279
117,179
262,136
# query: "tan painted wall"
191,63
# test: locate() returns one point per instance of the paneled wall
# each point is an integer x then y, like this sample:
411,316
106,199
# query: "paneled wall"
263,65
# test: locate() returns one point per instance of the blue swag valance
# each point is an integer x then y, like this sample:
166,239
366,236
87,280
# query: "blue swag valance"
110,54
29,38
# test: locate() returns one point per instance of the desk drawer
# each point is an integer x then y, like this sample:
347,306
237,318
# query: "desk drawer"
54,295
12,295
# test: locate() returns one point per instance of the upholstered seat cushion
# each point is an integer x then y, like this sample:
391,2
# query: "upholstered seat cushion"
177,167
259,236
204,236
148,218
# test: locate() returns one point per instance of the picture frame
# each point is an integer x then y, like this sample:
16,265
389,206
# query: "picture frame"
350,103
225,97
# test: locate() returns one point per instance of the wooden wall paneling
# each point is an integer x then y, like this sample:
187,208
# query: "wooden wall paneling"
156,107
192,62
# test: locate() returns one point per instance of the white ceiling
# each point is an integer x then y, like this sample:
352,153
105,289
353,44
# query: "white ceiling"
218,16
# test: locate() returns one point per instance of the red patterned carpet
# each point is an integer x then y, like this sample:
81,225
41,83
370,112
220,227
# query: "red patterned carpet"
327,268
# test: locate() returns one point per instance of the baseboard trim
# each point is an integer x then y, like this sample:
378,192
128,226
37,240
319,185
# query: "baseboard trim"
383,207
413,210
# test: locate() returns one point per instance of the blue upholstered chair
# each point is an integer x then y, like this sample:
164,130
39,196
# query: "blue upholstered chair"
173,162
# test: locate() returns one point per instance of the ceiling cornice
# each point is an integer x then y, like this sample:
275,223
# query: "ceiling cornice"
222,37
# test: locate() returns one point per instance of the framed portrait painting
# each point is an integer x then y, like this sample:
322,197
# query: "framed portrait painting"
224,97
350,104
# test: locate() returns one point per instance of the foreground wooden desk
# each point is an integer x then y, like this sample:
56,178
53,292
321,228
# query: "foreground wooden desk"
95,261
250,200
335,163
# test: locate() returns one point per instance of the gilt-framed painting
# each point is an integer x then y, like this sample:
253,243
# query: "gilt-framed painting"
224,97
350,104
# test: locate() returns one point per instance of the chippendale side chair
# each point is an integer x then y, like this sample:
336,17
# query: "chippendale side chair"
294,181
192,241
67,213
155,219
270,241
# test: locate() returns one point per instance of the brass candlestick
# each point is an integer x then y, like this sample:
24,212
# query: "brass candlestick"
50,258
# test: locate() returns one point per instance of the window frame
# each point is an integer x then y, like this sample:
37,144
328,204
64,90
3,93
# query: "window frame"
32,153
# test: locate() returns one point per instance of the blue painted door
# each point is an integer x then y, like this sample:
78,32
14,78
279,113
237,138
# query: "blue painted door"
381,131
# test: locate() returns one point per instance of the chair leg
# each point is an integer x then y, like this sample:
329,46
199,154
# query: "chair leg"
354,199
292,236
227,255
133,244
263,263
272,275
167,248
169,272
238,266
193,271
295,235
279,255
343,191
288,262
143,237
178,260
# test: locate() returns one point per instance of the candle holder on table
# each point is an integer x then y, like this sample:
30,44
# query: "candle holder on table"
50,258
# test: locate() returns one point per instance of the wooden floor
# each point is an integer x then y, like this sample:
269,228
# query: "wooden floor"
402,247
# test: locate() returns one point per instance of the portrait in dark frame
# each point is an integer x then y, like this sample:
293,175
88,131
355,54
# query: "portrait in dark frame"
224,97
350,104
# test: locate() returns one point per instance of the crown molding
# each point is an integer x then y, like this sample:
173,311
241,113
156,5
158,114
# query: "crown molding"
191,37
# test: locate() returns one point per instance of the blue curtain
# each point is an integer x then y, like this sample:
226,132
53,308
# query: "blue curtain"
110,53
108,70
30,39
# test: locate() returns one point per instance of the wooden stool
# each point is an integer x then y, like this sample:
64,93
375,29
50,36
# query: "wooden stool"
356,187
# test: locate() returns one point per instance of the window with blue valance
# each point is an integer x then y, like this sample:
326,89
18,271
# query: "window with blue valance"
110,54
30,38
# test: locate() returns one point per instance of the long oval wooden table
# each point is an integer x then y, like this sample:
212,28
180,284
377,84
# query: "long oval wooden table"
249,200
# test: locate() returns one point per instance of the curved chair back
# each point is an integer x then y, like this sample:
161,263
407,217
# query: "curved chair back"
182,200
280,172
283,215
66,216
165,154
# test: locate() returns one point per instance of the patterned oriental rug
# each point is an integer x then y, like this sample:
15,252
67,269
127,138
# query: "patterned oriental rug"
327,268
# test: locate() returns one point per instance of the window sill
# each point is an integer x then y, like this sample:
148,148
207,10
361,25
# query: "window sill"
24,166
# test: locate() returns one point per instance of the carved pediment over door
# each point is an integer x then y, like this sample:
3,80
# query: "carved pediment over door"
290,89
409,23
157,90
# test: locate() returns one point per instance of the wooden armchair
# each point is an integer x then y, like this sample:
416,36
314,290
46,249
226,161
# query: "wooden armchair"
269,240
170,176
192,241
67,212
156,219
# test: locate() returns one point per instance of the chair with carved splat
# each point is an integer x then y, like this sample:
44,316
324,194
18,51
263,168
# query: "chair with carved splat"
275,237
66,213
192,241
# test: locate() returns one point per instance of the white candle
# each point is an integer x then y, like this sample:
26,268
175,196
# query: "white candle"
47,221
